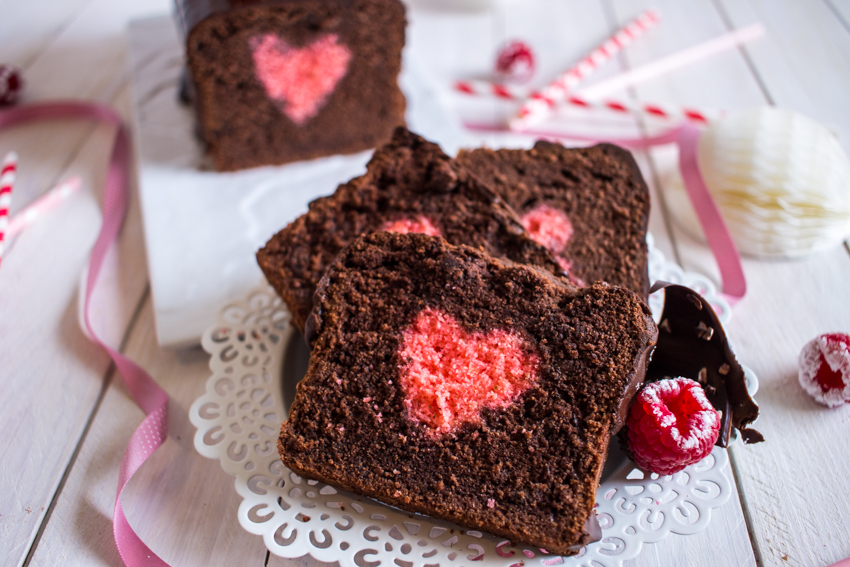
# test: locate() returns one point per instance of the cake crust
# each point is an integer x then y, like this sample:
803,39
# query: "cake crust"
528,472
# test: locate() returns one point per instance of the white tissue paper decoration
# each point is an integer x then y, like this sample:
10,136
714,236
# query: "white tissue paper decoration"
781,182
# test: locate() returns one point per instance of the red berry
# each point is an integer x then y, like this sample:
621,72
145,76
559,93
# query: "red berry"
515,61
825,369
11,84
671,425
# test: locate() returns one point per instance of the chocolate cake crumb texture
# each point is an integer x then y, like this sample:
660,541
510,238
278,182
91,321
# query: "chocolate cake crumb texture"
600,190
528,470
409,182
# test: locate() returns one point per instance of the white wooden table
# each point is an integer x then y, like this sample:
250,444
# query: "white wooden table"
66,416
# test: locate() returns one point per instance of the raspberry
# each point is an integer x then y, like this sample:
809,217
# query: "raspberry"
671,425
825,369
515,61
10,84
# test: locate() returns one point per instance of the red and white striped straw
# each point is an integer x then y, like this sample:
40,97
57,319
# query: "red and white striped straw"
542,101
499,90
47,202
7,181
661,111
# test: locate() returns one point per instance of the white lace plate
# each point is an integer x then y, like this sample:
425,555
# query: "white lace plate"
255,361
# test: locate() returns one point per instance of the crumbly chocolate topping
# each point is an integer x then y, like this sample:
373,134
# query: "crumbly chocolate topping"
528,472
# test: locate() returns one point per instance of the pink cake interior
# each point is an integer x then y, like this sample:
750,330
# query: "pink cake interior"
450,375
549,227
300,78
406,226
553,229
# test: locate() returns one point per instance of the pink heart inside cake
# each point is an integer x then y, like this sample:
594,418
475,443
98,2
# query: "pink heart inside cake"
551,228
450,375
299,78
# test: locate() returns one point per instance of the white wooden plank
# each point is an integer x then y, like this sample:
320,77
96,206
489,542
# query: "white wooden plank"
559,33
769,342
842,11
27,28
795,484
86,60
725,541
723,81
769,330
804,63
48,364
183,505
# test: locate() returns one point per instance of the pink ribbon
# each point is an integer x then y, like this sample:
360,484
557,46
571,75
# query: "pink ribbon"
145,391
734,284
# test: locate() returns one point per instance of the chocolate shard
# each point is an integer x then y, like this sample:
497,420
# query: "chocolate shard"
693,344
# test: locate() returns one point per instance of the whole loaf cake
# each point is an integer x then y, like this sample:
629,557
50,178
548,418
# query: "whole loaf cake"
276,81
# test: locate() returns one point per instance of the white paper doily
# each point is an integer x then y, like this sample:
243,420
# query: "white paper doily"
238,420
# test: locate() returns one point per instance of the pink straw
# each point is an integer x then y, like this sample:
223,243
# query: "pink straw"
540,102
44,204
7,181
674,61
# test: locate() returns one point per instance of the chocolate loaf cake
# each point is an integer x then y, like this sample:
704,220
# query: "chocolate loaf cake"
285,80
588,205
410,186
449,383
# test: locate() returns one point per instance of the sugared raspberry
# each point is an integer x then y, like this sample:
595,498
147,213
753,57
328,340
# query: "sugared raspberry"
515,62
671,425
11,84
825,369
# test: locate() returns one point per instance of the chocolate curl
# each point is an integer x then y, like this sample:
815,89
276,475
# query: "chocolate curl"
693,344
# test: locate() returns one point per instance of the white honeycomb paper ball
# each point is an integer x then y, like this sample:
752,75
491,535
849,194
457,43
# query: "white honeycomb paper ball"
780,180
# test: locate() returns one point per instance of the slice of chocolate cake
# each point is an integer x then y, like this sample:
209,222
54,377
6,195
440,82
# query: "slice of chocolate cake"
588,205
481,391
410,186
285,80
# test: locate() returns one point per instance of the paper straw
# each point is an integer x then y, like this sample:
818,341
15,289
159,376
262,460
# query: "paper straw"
7,181
47,202
540,102
487,88
674,61
667,112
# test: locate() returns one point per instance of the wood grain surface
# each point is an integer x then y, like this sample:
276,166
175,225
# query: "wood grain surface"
67,416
